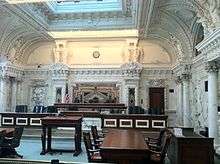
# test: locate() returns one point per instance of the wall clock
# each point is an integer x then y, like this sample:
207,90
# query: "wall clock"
96,54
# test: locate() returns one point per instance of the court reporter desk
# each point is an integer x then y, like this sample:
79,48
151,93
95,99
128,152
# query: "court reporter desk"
56,121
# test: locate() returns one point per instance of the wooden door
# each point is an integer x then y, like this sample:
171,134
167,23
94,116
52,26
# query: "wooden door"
156,96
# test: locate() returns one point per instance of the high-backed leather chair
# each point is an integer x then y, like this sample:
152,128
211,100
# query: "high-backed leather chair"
21,108
39,109
51,109
93,154
10,143
155,143
96,136
158,157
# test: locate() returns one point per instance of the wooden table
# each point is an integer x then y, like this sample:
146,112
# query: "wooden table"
124,146
49,122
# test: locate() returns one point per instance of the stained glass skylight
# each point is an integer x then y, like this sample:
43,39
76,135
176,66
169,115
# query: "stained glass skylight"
77,6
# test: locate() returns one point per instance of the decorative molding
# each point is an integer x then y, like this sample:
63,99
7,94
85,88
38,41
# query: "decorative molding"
210,46
211,67
131,69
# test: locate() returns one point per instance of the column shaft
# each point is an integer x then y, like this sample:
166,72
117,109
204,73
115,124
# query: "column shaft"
186,107
213,106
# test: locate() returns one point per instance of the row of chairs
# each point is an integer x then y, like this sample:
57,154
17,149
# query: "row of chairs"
37,109
157,146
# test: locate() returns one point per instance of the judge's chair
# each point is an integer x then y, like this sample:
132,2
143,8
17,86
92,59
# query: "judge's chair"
21,108
93,154
39,109
9,144
98,138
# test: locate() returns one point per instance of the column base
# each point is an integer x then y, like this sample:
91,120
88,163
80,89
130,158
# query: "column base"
217,150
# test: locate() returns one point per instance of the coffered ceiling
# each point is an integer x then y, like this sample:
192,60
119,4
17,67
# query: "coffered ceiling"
170,23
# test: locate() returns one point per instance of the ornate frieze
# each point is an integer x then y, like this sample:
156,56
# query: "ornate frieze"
156,83
131,69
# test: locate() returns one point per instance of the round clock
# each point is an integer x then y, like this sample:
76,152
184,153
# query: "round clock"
96,54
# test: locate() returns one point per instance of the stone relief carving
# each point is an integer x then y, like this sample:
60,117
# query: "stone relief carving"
132,69
60,53
156,83
177,44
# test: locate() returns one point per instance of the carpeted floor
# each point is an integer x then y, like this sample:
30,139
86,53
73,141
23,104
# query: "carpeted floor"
30,148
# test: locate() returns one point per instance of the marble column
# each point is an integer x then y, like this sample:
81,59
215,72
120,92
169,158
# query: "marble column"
179,119
14,94
4,93
136,96
212,70
186,105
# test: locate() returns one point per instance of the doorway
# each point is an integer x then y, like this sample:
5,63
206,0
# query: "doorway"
156,97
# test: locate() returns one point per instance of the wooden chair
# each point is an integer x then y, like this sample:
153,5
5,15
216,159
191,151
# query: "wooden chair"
155,143
92,153
158,157
96,137
9,144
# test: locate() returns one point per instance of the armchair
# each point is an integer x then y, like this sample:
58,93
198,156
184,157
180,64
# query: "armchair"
9,144
92,153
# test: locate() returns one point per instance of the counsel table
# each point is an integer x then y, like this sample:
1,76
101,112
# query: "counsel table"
124,146
49,122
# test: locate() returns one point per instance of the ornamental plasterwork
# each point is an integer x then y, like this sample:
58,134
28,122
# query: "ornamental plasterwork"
208,14
156,83
210,46
131,69
65,20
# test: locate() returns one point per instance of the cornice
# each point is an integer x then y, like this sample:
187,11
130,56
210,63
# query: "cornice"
209,40
210,46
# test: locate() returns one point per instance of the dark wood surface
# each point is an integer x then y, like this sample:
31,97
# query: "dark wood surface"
49,122
82,113
15,116
191,148
119,107
124,146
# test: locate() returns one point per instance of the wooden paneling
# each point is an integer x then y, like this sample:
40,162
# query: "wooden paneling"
191,149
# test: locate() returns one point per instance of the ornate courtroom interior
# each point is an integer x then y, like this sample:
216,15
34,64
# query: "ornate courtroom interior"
109,81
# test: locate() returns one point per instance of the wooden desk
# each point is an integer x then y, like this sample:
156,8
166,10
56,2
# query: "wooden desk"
124,146
49,122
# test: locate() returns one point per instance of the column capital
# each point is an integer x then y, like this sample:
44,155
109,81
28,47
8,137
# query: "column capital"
211,67
178,80
186,77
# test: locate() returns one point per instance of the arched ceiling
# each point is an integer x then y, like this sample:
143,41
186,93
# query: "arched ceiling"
170,23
